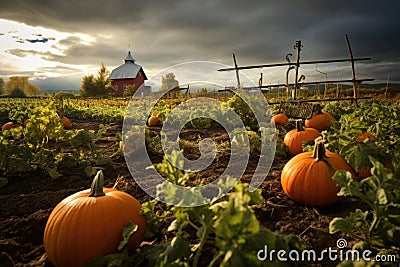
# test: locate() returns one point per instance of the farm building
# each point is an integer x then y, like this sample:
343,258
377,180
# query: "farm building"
126,74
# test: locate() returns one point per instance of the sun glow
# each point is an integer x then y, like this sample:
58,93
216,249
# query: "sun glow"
27,50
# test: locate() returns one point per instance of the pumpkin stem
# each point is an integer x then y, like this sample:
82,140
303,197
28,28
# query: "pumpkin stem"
299,125
319,149
96,189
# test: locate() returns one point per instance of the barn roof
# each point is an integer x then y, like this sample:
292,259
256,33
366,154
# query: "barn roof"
128,70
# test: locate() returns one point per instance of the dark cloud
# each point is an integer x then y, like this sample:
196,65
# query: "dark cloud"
169,32
41,40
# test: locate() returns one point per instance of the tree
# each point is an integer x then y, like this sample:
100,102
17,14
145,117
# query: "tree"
97,86
17,92
168,82
130,90
1,86
22,83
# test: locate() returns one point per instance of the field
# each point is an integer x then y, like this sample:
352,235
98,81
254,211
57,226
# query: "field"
46,161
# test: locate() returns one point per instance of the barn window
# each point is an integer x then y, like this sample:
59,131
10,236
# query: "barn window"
124,87
116,87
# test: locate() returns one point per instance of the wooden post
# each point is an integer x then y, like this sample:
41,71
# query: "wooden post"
353,72
237,70
298,47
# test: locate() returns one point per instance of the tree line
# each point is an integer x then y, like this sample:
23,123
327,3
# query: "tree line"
98,85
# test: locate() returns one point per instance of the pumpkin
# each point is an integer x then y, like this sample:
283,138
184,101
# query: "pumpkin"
307,177
279,119
9,126
153,121
66,123
294,139
26,122
89,224
362,136
320,121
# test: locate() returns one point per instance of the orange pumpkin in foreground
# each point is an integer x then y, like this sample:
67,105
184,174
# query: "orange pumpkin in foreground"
307,177
320,121
89,224
294,139
279,119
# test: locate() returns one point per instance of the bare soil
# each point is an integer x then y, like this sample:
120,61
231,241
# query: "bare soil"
27,201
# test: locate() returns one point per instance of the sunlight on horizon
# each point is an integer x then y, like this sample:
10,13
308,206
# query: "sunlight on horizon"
25,49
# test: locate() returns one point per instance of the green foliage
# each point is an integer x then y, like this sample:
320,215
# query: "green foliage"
97,86
17,92
379,225
130,90
1,86
168,81
224,232
20,86
33,147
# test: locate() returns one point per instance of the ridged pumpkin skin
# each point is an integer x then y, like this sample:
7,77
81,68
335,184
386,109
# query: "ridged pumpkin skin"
320,122
294,139
81,227
279,119
307,177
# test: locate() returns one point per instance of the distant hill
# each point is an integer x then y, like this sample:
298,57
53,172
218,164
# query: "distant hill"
370,86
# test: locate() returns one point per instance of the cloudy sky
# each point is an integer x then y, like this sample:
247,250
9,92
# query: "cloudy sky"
56,43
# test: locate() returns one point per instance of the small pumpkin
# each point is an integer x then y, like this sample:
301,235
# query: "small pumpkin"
279,119
307,177
66,123
9,126
89,224
294,139
321,121
362,136
153,121
26,122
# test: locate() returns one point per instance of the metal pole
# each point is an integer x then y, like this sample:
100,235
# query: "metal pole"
353,72
298,47
237,70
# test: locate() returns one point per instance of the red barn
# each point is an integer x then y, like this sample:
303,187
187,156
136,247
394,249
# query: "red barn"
127,73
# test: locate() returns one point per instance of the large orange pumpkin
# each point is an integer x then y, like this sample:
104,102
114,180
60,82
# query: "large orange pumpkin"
294,139
320,121
279,119
307,177
89,224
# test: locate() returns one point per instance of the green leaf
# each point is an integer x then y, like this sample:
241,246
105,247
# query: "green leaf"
111,260
178,248
381,196
349,187
127,232
349,223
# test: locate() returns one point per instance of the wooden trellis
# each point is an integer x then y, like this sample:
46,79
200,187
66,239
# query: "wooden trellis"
298,80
